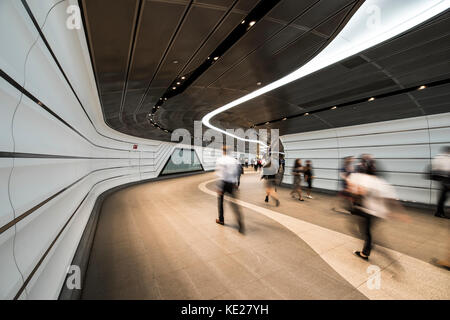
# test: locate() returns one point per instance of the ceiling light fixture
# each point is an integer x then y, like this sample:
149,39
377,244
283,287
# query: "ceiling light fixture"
216,58
371,99
243,21
251,23
175,61
178,83
421,87
354,38
165,99
174,88
284,119
306,114
258,83
333,108
183,77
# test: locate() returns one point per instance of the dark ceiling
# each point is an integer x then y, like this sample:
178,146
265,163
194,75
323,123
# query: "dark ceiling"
140,47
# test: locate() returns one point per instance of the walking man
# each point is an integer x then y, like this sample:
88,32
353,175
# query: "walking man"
228,171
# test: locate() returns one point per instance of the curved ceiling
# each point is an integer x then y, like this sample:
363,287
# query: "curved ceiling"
139,48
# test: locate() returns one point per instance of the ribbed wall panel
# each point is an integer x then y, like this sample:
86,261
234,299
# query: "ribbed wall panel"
54,162
403,149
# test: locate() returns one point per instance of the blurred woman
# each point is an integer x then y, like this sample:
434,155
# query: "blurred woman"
344,200
297,171
309,175
269,174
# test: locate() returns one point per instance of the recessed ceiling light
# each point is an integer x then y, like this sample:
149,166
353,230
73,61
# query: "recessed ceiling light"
175,61
258,83
251,23
243,21
267,122
307,114
165,98
178,83
333,108
371,99
174,88
284,119
216,58
422,87
183,77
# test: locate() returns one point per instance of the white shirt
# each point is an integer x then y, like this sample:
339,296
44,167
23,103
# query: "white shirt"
377,191
441,163
272,169
227,169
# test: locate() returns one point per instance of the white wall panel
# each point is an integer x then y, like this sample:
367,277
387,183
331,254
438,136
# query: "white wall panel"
383,139
403,149
9,98
52,189
17,36
10,278
27,187
439,120
37,131
6,211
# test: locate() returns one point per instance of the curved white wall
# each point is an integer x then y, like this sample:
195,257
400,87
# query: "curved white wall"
54,166
404,149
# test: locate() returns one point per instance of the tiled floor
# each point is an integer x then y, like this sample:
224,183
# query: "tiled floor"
159,241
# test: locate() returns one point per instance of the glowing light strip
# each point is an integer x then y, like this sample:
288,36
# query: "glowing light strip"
396,17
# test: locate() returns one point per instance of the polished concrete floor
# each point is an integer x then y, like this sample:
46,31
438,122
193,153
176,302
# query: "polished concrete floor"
160,241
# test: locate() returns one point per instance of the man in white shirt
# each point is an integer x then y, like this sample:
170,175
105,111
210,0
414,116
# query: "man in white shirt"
372,198
228,171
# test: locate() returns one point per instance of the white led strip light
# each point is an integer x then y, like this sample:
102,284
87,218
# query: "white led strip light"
362,32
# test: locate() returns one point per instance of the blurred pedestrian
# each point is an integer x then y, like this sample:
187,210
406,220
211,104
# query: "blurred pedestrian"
373,198
308,173
240,172
297,172
344,197
269,174
440,171
228,171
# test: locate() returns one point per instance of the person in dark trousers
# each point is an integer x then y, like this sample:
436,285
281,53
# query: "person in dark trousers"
357,188
440,171
228,170
240,172
297,171
309,176
373,199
